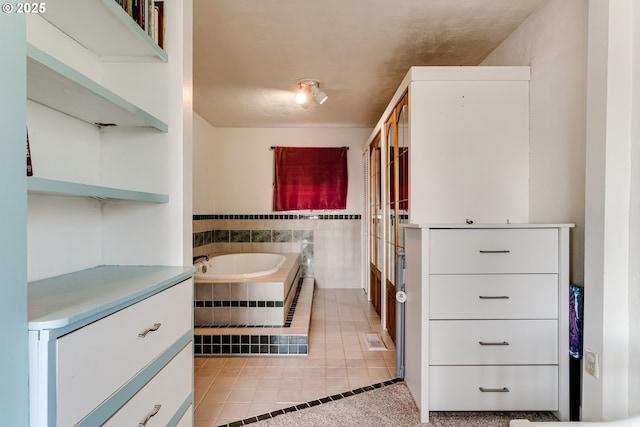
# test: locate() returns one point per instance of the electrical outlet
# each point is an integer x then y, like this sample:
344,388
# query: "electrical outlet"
591,363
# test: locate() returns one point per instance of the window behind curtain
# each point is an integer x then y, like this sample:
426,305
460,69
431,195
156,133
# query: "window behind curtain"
310,178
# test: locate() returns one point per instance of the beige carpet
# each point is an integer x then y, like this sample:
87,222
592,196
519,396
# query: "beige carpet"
390,405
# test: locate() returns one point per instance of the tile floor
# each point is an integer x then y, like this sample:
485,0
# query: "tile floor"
228,389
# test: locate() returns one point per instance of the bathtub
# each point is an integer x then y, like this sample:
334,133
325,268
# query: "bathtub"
628,422
238,266
245,289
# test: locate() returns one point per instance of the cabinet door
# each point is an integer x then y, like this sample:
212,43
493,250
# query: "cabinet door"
397,200
375,224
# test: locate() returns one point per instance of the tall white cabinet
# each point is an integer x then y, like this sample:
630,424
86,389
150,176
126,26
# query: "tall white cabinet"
454,148
487,317
109,217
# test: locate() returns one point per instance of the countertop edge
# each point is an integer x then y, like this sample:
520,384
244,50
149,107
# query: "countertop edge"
76,316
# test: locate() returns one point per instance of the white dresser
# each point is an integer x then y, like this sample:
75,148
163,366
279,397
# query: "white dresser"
112,346
487,317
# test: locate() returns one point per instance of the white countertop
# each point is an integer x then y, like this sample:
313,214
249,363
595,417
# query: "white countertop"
501,225
82,297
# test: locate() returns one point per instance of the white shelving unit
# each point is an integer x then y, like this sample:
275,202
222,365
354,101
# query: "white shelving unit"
144,298
58,86
104,28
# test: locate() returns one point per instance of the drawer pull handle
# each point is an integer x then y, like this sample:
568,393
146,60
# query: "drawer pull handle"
156,409
155,328
494,390
494,252
493,343
493,297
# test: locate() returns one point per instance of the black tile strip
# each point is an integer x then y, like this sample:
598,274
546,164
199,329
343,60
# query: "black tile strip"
237,303
313,403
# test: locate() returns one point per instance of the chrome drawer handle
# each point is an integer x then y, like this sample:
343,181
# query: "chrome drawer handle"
156,409
493,343
494,390
494,252
155,328
493,297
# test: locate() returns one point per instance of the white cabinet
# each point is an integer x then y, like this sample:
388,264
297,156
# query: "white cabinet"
461,153
109,308
487,317
465,144
107,340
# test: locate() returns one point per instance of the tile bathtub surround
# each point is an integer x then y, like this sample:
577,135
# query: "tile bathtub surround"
289,339
205,316
250,345
202,238
330,244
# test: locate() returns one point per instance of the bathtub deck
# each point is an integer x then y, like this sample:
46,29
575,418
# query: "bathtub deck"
262,341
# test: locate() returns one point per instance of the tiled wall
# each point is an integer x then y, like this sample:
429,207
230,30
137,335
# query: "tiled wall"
330,244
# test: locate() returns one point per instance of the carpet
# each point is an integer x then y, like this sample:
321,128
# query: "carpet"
387,406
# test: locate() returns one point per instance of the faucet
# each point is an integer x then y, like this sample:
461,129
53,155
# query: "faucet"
196,258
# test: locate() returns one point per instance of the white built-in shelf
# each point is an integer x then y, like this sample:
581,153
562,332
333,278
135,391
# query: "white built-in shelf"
103,27
36,185
79,298
60,87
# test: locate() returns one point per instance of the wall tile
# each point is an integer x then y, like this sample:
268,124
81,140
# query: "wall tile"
221,292
221,236
240,236
261,236
330,243
282,236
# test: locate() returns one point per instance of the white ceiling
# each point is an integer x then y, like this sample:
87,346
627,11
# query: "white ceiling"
249,54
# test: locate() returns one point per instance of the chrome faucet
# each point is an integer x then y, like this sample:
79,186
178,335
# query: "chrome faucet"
196,258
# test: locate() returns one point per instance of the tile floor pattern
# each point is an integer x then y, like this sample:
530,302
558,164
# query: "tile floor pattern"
228,389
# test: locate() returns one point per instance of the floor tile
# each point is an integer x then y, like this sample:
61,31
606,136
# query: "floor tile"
229,389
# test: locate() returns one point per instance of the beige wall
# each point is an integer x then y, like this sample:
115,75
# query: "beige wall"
553,42
233,175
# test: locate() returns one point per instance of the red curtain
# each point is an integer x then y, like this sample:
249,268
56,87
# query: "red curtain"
310,178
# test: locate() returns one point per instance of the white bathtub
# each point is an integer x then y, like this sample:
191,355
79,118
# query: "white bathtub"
629,422
238,266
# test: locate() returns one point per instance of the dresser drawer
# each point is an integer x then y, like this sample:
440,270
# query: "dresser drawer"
491,296
187,418
506,388
162,396
493,342
469,251
95,361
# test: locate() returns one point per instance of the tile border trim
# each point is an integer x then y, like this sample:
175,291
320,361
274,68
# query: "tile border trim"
311,403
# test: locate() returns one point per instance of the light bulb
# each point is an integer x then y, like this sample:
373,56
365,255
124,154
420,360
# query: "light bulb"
301,97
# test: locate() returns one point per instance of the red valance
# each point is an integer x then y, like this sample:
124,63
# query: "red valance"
310,178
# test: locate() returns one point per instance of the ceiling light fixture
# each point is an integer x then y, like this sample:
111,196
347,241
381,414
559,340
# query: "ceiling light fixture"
309,87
